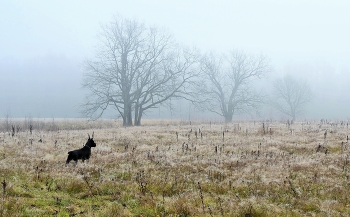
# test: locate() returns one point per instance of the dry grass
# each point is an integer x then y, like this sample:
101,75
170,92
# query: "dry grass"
172,168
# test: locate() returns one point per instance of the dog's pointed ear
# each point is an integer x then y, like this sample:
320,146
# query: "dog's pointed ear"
89,136
92,134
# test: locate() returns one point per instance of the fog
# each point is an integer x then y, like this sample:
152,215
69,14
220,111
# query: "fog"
43,45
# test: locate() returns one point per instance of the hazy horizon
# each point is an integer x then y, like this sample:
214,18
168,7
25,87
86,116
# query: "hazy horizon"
44,44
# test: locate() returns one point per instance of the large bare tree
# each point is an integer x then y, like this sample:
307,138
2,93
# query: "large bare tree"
226,88
135,68
291,95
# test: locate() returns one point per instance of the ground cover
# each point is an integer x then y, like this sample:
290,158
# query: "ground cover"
176,168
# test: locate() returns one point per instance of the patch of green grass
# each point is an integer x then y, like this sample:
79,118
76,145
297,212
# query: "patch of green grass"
253,210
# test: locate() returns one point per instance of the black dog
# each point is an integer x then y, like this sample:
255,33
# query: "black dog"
83,153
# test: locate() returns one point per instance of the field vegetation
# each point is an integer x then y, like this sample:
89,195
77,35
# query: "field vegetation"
175,168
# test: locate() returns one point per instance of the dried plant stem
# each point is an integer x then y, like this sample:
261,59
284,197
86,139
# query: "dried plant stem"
201,195
4,184
220,205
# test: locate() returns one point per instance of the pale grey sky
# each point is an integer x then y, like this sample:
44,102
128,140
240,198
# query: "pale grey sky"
43,43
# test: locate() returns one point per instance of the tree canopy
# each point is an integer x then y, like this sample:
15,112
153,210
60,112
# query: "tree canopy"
226,86
291,95
135,68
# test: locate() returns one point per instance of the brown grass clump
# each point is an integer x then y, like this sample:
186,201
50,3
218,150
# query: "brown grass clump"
176,168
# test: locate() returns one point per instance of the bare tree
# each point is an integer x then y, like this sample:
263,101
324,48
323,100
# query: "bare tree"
7,120
136,68
291,95
226,88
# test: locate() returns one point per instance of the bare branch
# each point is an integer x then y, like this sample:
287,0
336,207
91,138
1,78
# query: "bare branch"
135,68
291,95
226,85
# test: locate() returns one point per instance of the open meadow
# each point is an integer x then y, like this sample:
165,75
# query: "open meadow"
175,168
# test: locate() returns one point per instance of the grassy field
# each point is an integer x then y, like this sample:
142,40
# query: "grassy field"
175,168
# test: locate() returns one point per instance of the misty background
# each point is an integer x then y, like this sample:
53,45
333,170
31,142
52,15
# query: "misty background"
43,45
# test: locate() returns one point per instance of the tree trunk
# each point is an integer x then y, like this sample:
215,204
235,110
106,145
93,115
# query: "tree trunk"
127,118
124,121
228,114
228,118
293,114
129,115
138,115
138,122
